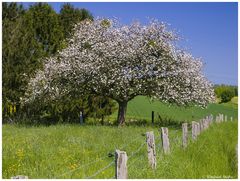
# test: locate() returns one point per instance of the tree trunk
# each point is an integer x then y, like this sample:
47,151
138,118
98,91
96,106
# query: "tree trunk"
122,112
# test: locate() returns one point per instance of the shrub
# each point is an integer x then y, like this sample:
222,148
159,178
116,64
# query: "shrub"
219,89
227,95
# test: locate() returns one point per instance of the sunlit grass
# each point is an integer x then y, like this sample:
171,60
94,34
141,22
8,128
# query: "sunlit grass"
140,108
57,151
235,100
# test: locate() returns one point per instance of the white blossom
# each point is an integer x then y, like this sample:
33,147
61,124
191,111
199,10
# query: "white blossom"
122,61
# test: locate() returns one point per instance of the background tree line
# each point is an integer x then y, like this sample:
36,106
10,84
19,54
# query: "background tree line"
28,36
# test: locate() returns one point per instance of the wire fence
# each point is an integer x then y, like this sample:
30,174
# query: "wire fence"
110,164
130,143
134,161
135,152
99,171
175,138
81,167
100,159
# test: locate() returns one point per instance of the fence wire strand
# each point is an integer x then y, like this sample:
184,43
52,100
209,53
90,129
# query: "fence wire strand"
82,166
174,139
134,161
99,171
95,161
127,144
139,148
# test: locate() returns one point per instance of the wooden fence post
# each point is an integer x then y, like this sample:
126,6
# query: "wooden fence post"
152,117
151,149
184,135
102,121
19,177
81,117
207,122
231,118
165,140
198,129
225,118
211,119
194,130
201,125
220,118
121,165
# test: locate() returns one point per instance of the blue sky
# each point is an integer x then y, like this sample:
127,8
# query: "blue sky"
209,30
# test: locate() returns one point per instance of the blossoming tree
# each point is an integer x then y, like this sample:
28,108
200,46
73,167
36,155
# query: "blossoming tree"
118,61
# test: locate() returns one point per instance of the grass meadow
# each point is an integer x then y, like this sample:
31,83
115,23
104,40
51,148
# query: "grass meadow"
56,151
140,109
74,151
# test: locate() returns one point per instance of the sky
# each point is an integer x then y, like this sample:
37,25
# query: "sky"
209,30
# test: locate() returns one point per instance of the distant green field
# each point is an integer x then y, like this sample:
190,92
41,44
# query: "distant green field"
235,100
74,151
141,108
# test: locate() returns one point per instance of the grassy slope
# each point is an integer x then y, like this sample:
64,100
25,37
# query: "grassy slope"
140,108
48,152
235,100
212,156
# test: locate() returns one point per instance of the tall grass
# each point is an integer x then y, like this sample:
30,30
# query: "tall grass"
213,155
67,151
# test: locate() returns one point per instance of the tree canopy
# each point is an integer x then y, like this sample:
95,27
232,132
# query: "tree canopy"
104,57
30,35
225,92
69,16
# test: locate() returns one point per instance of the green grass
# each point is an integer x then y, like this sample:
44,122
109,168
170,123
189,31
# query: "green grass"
235,100
141,109
213,155
65,151
49,152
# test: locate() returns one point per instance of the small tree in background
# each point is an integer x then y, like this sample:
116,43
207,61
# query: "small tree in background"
225,92
227,95
120,62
